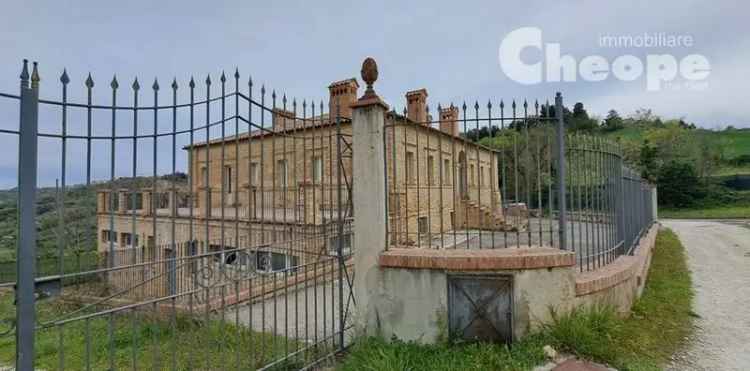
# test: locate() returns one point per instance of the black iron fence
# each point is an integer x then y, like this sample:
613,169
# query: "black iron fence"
222,228
223,224
510,176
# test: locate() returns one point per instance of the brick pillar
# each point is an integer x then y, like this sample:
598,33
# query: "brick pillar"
368,120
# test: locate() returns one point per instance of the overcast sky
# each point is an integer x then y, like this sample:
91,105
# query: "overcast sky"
448,47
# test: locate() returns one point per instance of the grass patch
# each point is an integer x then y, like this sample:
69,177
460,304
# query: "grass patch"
150,341
717,212
660,321
374,354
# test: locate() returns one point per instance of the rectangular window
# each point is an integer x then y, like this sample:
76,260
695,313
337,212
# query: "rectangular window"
317,169
472,175
422,226
228,179
254,174
430,170
481,176
281,173
447,174
109,236
410,173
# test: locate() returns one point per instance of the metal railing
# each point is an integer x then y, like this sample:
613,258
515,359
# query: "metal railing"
242,263
510,176
245,261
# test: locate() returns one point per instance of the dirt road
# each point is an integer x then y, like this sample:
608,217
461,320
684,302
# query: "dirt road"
719,257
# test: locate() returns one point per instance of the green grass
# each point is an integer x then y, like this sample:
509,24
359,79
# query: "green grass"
149,340
660,321
718,212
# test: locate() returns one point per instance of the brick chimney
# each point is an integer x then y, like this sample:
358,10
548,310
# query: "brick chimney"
449,120
282,120
342,95
416,106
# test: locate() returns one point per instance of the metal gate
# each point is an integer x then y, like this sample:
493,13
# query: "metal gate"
480,307
218,226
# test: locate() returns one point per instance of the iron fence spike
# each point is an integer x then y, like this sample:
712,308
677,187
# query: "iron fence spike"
236,73
191,84
263,89
513,104
439,107
502,104
273,94
476,105
64,78
114,84
136,85
489,104
208,79
464,106
89,81
25,70
155,86
174,84
223,77
35,75
525,104
250,81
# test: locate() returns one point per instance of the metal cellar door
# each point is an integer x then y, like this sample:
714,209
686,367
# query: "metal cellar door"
480,307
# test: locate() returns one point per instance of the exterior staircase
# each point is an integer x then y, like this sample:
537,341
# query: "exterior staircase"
471,215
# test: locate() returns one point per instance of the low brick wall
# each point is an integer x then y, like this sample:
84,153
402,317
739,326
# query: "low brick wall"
410,297
619,283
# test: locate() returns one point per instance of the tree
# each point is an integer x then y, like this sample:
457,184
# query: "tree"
679,185
612,122
579,120
647,161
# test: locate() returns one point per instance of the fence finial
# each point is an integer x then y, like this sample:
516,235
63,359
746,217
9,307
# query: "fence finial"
64,77
136,86
25,73
114,84
369,75
174,84
89,81
35,76
191,84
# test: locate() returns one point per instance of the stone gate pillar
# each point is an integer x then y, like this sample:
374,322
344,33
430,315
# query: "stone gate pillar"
369,196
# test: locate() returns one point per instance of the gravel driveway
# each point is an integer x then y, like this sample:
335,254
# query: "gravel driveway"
719,257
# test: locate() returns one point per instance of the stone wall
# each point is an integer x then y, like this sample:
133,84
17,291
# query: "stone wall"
408,298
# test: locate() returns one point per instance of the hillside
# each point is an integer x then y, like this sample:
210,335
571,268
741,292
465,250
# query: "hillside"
78,220
733,145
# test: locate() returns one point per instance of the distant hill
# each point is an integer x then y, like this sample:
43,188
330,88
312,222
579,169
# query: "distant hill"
79,217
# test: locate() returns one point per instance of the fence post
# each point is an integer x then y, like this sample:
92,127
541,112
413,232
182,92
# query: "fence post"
26,248
561,197
369,196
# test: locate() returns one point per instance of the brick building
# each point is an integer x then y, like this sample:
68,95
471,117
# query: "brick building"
277,193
